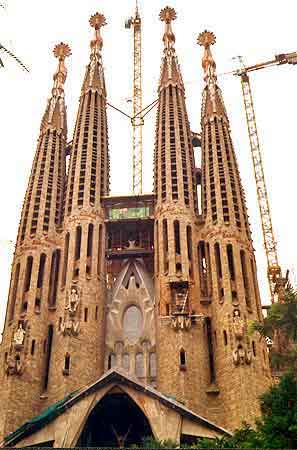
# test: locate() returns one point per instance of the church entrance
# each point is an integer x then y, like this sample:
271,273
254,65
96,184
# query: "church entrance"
116,421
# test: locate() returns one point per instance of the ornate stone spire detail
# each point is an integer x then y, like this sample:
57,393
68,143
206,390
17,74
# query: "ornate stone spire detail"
206,39
170,71
55,111
95,77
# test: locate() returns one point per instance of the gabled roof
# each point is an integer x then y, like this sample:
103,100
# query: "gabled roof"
110,377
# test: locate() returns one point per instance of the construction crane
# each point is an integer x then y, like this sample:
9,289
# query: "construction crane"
276,281
137,119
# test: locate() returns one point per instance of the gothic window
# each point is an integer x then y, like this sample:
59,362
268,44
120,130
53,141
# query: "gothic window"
14,292
153,365
132,323
111,361
126,361
139,365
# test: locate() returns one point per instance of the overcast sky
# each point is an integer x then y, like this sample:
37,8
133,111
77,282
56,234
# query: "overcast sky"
255,29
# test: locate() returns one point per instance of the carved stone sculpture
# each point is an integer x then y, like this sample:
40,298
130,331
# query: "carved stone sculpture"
19,335
70,325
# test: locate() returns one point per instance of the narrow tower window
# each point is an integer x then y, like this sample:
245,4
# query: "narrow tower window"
28,273
90,249
32,347
99,250
139,365
165,245
231,262
14,292
153,365
65,263
66,369
189,242
219,270
210,351
48,355
245,279
77,252
54,274
225,337
176,236
182,359
41,270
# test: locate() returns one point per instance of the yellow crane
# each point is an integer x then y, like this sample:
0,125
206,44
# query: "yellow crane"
137,120
276,281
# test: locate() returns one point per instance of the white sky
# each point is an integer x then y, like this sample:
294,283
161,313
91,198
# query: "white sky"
255,29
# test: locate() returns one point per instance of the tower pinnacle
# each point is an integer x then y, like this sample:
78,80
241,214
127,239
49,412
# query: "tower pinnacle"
167,15
61,51
206,39
170,71
97,21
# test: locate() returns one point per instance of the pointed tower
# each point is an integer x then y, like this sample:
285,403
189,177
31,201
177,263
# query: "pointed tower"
33,292
179,330
241,362
79,341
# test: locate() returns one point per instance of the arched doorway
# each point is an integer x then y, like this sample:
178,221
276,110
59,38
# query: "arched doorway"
116,421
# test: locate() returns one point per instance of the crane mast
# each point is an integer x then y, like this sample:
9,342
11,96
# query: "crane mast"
137,120
275,279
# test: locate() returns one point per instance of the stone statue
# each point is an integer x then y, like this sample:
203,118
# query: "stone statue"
19,335
181,300
238,325
73,302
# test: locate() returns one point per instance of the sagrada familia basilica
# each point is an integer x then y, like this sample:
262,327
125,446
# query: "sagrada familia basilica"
127,316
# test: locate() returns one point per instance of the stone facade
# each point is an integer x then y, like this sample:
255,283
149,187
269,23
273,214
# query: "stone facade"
162,286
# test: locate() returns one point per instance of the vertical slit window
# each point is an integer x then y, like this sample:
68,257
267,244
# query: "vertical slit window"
65,262
245,278
54,274
189,242
66,364
231,262
225,337
32,347
210,351
28,273
99,250
48,355
157,246
90,249
176,236
14,292
203,269
41,270
165,245
77,252
182,359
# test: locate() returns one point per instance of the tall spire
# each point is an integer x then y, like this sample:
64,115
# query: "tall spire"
55,112
94,78
170,71
42,211
213,102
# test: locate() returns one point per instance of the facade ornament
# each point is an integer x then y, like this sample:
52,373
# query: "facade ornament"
241,354
97,21
19,336
180,317
167,15
71,324
61,51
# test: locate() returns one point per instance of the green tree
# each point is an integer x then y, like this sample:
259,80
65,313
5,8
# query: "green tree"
280,325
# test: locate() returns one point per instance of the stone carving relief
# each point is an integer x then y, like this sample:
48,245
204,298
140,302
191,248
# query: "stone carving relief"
241,352
130,333
71,323
180,318
15,361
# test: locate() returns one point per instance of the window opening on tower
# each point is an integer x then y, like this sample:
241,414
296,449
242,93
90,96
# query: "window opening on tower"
77,253
54,275
48,350
90,249
65,262
219,271
165,246
245,279
14,292
212,376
